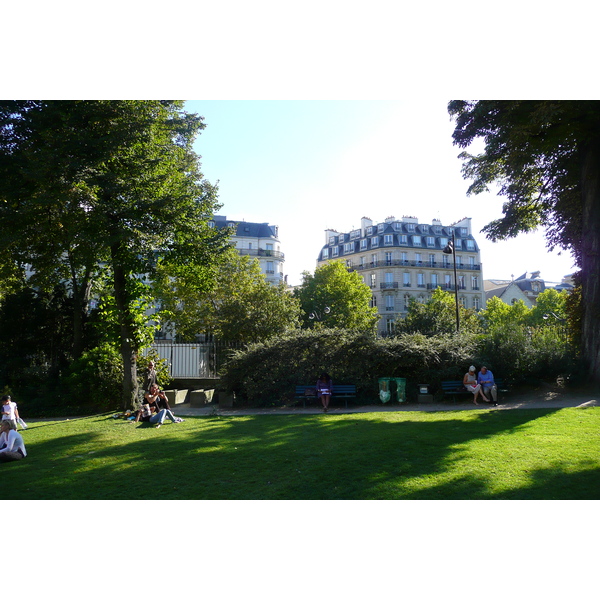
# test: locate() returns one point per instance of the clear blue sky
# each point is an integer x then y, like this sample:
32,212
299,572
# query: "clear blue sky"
310,165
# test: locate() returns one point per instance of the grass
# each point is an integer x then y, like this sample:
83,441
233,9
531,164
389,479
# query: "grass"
502,454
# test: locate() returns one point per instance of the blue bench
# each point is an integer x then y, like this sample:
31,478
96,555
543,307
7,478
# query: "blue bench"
456,388
309,392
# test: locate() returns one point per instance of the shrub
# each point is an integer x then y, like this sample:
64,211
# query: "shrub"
268,372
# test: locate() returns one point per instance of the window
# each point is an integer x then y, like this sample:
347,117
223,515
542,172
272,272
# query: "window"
446,260
332,240
270,269
397,226
380,227
374,242
404,258
437,230
406,301
363,244
416,240
374,259
443,242
475,282
471,262
369,231
462,302
389,325
388,258
406,279
388,239
410,227
476,302
430,241
373,280
464,231
403,238
461,282
458,243
425,228
362,262
432,260
418,258
459,262
434,281
373,302
470,245
325,254
355,234
341,238
420,280
389,278
448,282
389,302
335,251
349,248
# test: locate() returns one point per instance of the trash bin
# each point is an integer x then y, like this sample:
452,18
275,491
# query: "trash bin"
385,392
400,389
386,385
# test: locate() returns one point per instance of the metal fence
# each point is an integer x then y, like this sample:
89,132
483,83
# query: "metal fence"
194,360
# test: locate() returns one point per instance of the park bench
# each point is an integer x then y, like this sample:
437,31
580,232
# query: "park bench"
456,388
309,392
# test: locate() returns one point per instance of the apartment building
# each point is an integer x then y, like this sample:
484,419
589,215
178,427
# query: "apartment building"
257,240
400,259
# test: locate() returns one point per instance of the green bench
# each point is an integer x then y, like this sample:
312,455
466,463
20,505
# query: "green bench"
456,388
309,392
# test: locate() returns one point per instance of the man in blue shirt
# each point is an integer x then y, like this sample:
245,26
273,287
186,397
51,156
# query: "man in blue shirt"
486,379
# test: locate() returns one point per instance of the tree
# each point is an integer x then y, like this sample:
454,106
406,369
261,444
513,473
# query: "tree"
437,316
240,306
343,292
93,185
545,155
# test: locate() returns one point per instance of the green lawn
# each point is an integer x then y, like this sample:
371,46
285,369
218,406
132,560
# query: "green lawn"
501,454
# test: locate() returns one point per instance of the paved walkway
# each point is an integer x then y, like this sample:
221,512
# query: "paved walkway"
541,398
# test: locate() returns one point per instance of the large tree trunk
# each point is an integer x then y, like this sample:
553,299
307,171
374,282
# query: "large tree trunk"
128,349
590,258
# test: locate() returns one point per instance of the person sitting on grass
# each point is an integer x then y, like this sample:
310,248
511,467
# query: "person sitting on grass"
151,411
12,446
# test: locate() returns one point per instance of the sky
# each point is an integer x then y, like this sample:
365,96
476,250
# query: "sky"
308,166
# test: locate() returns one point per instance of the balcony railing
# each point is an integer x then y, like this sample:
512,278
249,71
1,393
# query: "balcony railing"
388,285
261,252
415,263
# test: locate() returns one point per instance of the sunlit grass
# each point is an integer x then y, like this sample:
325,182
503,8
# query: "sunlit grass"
505,454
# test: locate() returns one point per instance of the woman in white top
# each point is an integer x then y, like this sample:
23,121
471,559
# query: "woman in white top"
470,383
11,443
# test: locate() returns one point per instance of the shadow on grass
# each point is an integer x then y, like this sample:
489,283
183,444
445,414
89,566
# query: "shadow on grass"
407,456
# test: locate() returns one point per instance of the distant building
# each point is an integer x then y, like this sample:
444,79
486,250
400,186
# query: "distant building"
400,259
257,240
527,287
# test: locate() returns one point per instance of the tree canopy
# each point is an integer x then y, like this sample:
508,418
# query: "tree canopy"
545,155
93,185
240,306
336,297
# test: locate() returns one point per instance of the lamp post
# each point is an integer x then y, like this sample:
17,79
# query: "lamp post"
451,249
315,315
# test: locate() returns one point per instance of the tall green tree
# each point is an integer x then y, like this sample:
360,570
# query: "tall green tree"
545,155
437,316
336,297
90,185
239,306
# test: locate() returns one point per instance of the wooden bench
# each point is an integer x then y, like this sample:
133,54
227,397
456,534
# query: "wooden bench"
309,392
456,388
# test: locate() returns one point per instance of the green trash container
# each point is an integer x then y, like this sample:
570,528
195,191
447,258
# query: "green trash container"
400,389
385,391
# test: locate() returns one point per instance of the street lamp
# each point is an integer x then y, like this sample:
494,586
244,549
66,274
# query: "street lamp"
315,315
451,249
